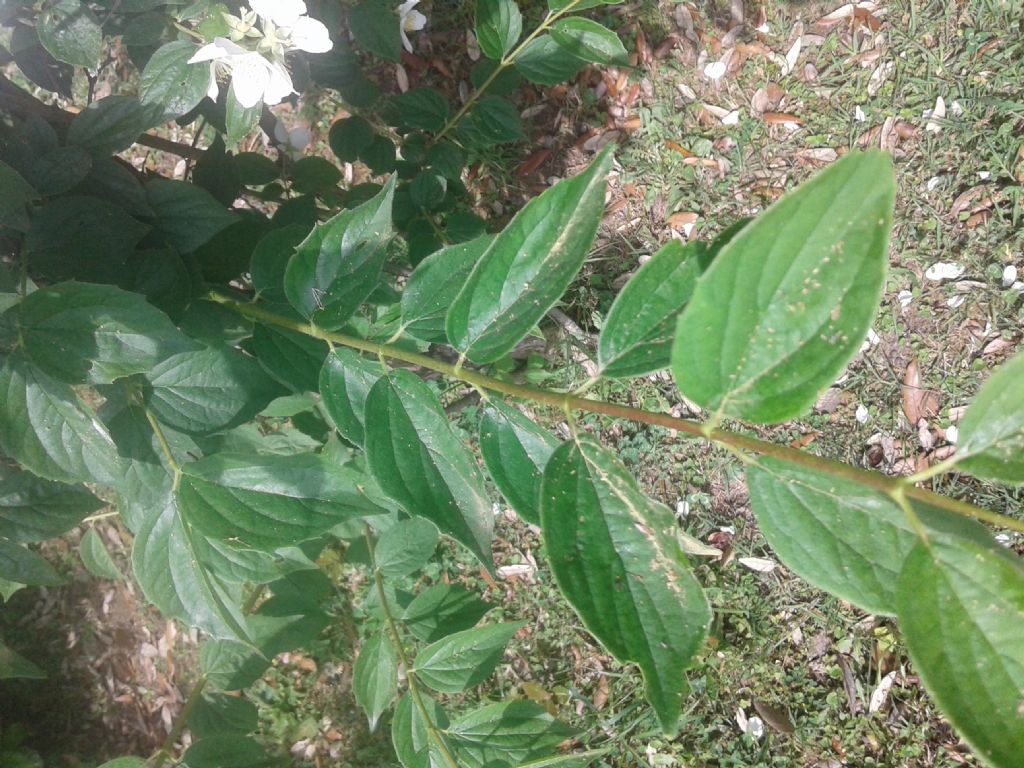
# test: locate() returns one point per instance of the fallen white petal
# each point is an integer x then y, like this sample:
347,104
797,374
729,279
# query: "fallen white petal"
943,270
755,727
952,434
984,175
715,70
881,693
858,114
934,115
933,182
955,301
758,564
732,118
862,414
905,298
1009,276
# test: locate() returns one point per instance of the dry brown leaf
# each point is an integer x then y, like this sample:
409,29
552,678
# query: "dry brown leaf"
775,118
601,694
767,99
533,162
675,147
681,219
918,402
777,718
975,200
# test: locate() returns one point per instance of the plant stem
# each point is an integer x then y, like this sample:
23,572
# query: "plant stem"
891,486
396,641
161,438
179,724
507,61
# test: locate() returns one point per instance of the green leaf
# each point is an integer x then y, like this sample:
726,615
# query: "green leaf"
187,215
345,382
14,665
254,169
590,41
447,159
169,81
424,109
270,501
840,535
227,751
239,121
125,762
494,120
81,332
442,609
231,665
314,176
374,25
574,760
208,390
146,29
222,714
375,678
59,170
528,266
545,62
961,607
34,509
339,265
49,431
515,452
428,189
406,547
112,124
15,194
464,659
96,558
112,182
433,286
420,463
637,336
413,744
349,137
615,557
70,32
507,733
789,300
166,564
23,566
499,25
82,238
270,259
293,359
992,432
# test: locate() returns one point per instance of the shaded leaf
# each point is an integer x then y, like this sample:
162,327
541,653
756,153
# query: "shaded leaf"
23,566
13,664
499,25
590,41
96,558
71,33
414,745
406,547
442,609
375,678
345,382
169,81
187,215
34,509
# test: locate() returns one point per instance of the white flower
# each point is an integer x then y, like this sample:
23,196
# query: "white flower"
310,35
293,142
944,271
409,21
284,13
253,76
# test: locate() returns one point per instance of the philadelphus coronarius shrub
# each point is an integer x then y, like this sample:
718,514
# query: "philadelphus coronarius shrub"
188,314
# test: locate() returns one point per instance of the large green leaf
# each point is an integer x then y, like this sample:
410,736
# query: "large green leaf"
13,664
442,609
71,33
292,358
579,5
169,81
992,432
507,733
96,558
420,463
228,751
49,431
788,301
112,124
220,713
172,576
187,215
463,659
23,566
345,382
841,535
545,62
375,677
209,390
638,332
406,547
433,286
339,265
499,24
515,452
15,194
34,509
80,332
616,558
82,238
269,501
961,609
414,745
374,25
589,41
528,266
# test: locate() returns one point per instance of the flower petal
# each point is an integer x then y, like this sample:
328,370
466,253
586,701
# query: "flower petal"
284,13
220,48
279,85
311,36
415,21
250,77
